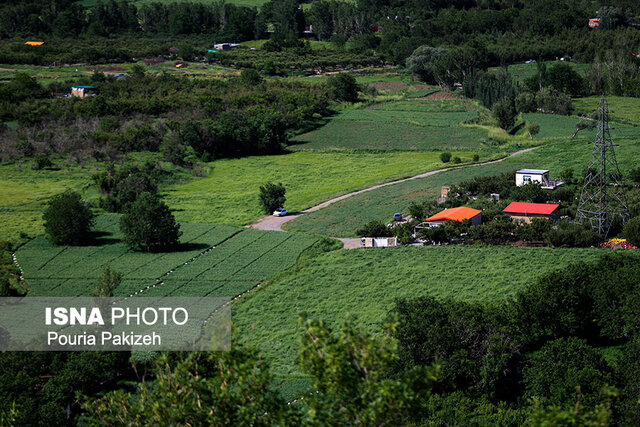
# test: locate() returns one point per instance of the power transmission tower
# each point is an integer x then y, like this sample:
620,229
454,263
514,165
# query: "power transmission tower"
602,198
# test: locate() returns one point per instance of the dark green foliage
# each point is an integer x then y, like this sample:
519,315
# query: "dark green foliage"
468,340
41,161
344,87
562,365
122,185
490,88
250,77
421,62
565,79
476,157
531,192
505,112
494,232
536,230
457,160
445,157
632,231
148,225
350,375
272,196
628,370
551,101
526,102
175,150
374,229
66,374
634,174
68,219
569,235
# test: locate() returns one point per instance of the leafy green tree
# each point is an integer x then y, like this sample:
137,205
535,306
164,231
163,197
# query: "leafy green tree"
445,157
533,129
350,377
344,87
526,103
374,229
634,174
215,388
421,62
505,113
272,197
68,219
565,79
569,416
568,235
108,281
41,161
148,225
563,365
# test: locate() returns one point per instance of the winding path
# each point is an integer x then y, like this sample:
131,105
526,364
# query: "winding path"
275,223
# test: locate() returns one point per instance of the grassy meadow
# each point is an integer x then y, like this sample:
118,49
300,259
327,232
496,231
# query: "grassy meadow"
364,283
229,194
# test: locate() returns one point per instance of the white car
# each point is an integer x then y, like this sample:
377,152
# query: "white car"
280,212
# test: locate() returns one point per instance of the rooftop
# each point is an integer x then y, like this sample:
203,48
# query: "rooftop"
533,171
455,214
530,208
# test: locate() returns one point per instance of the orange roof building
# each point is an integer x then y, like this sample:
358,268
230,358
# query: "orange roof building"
457,214
34,43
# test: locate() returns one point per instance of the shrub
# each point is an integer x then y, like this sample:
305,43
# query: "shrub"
271,197
533,129
41,161
148,225
568,235
107,283
476,157
526,103
250,77
375,229
634,174
67,219
457,160
123,185
344,87
563,365
632,231
445,157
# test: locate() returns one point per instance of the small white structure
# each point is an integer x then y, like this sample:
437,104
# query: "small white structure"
377,242
538,176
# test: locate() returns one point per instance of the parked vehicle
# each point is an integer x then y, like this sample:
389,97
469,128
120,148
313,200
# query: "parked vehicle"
280,212
397,217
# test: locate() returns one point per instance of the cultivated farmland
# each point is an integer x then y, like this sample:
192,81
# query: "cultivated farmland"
364,283
215,260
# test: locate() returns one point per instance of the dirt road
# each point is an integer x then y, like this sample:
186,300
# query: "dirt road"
275,223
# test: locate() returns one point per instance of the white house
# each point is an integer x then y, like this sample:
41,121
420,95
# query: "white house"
527,176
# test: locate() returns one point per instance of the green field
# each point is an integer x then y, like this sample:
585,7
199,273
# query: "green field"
341,219
522,71
229,194
402,125
623,110
213,260
364,283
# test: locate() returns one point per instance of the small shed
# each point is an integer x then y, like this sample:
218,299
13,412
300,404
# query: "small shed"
528,211
456,214
82,91
378,242
527,176
594,22
34,43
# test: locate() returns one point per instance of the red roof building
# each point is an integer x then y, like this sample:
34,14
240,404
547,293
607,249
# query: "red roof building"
457,214
528,211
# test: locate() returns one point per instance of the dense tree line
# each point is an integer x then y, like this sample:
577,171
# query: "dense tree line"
186,119
547,344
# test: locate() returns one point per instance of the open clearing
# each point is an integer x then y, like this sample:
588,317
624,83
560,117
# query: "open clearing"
364,283
229,194
213,260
